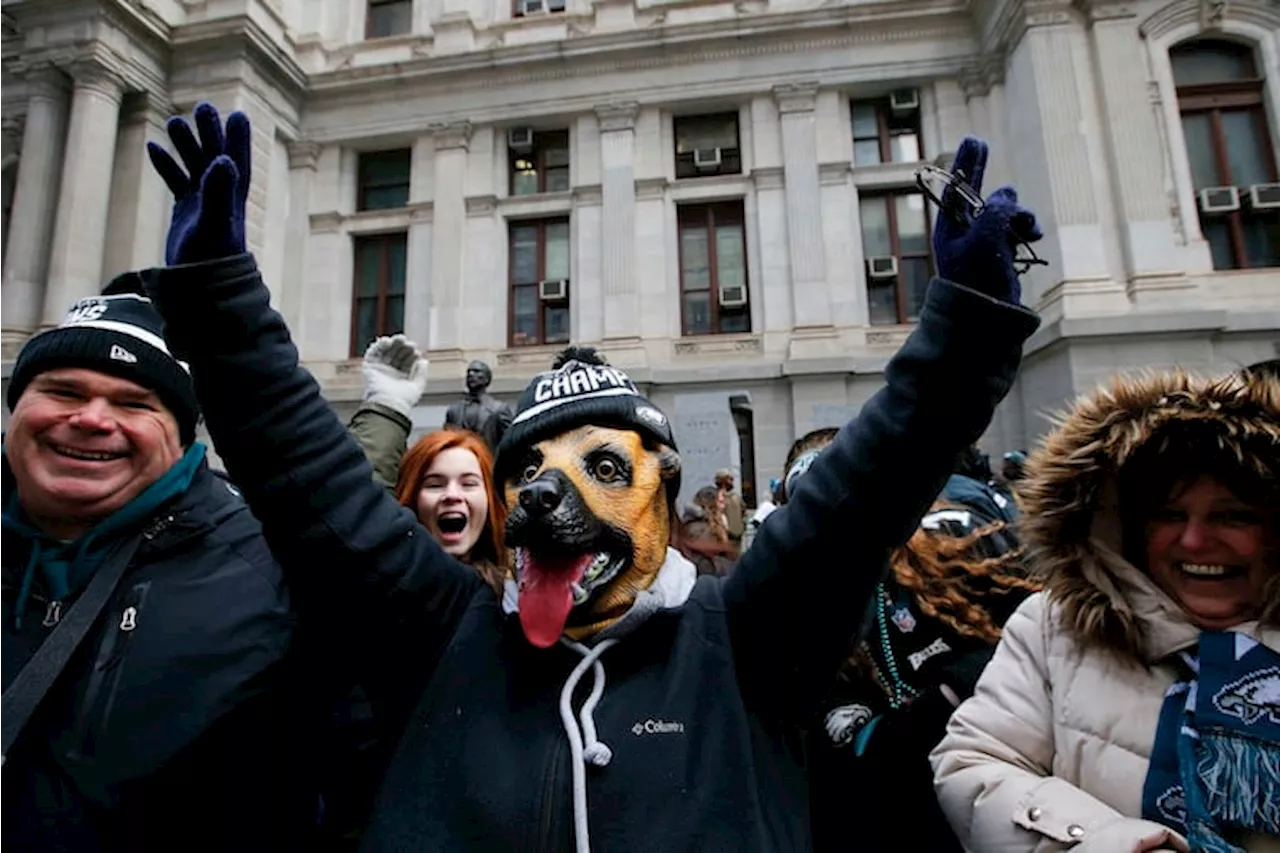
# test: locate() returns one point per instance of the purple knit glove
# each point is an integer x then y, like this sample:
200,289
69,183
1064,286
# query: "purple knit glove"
979,251
210,194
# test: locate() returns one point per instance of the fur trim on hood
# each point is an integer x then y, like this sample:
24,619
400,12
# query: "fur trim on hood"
1071,521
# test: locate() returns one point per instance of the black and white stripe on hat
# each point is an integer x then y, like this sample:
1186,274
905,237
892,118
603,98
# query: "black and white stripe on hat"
582,389
119,333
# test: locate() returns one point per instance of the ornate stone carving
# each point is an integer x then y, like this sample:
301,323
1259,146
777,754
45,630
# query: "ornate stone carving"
1212,14
796,97
303,154
617,116
454,134
99,78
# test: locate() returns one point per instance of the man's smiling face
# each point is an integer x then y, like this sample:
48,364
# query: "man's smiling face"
82,444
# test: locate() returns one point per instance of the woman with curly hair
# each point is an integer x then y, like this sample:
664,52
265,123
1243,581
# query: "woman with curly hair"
931,628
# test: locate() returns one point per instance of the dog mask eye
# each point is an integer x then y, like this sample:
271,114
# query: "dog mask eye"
530,471
605,470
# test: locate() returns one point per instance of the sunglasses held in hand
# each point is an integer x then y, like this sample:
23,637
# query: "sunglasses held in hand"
953,195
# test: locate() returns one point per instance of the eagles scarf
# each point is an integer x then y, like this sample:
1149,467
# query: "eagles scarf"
1215,764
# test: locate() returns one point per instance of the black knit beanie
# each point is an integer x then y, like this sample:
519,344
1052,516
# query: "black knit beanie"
119,333
581,389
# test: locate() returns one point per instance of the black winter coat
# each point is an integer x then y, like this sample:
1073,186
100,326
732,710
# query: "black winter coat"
704,701
166,731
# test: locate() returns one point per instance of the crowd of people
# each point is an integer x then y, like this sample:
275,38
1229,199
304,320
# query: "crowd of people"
468,643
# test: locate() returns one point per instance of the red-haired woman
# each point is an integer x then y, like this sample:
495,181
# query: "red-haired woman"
447,480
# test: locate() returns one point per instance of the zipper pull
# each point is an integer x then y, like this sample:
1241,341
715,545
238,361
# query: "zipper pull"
52,614
129,619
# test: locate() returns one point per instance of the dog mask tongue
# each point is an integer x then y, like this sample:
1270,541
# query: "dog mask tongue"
546,595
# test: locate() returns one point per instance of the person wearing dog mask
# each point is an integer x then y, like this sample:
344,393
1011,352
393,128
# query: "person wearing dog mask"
695,743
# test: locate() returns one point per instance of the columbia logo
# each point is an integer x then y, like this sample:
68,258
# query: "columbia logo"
657,727
119,353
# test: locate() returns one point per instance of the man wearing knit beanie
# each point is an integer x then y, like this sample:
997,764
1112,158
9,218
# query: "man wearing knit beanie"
103,480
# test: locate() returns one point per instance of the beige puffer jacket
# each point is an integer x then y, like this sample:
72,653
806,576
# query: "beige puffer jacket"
1051,752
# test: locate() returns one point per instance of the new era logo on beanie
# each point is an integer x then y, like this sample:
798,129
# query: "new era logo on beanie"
581,389
119,333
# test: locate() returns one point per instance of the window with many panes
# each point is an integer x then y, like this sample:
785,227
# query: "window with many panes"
707,145
383,179
713,269
378,292
388,18
539,274
1232,159
539,161
887,130
896,249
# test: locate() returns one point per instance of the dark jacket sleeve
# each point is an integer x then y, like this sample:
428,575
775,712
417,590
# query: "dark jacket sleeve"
382,434
346,546
798,596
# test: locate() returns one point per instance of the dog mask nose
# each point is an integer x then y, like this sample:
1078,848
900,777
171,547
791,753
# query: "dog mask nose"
541,496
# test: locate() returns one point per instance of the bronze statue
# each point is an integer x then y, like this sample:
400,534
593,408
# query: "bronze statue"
480,411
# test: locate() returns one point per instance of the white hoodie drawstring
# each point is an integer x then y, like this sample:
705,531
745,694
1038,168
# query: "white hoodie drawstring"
594,751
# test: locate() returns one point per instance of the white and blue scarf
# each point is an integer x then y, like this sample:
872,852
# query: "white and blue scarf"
1215,764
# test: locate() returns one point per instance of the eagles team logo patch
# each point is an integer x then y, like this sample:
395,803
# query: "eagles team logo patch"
1252,697
843,723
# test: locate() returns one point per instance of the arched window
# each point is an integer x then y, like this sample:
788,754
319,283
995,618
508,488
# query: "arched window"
1232,159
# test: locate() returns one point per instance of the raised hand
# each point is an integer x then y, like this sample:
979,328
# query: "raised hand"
395,374
978,251
210,188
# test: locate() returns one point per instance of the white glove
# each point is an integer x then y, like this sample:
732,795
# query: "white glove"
395,374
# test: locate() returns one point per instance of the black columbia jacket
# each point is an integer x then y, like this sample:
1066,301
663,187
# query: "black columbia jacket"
703,700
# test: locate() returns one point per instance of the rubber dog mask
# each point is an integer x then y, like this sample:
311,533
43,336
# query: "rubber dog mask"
590,473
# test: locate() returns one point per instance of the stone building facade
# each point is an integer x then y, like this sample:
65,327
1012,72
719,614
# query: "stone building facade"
717,193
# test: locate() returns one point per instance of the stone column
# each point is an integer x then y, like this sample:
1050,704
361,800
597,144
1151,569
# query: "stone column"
303,159
84,200
34,197
449,220
1133,140
1052,119
140,201
618,238
807,254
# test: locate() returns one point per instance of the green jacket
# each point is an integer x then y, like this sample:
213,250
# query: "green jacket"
383,435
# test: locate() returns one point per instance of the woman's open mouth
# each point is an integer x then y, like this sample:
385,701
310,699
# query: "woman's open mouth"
451,523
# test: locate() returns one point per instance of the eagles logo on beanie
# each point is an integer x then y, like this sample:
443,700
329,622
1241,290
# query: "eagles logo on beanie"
581,389
119,333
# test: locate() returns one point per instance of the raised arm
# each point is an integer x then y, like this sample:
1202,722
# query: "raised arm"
798,596
394,378
344,542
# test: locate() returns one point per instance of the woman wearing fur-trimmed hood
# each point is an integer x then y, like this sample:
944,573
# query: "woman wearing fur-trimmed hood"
1135,704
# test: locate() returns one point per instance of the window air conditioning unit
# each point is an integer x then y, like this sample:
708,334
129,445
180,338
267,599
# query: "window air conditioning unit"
1264,196
553,290
520,139
706,158
904,100
1219,199
531,7
885,266
733,295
